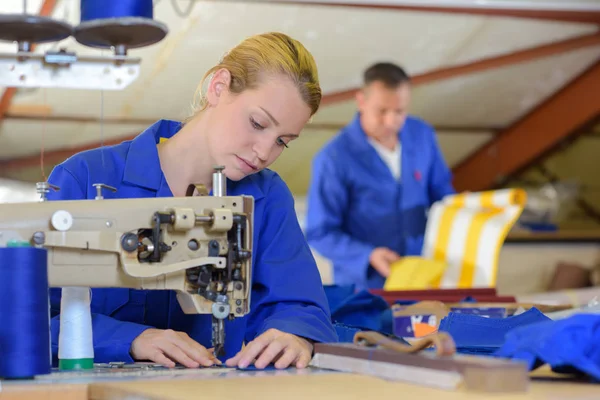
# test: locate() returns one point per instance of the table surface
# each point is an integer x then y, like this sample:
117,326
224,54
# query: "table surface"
289,384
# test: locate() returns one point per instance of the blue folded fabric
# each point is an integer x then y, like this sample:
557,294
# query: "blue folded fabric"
477,350
405,302
352,312
345,333
476,334
568,345
337,294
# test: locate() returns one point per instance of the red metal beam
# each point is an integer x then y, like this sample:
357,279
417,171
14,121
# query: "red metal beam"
591,15
45,10
59,155
547,126
55,156
313,126
485,64
48,7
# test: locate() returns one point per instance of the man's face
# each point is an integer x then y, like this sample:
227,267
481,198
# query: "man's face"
383,110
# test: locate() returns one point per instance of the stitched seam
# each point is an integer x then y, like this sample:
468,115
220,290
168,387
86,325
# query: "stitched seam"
76,180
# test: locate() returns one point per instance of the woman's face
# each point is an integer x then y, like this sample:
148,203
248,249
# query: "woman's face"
248,131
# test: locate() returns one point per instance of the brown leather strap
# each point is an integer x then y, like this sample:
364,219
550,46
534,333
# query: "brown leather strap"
444,345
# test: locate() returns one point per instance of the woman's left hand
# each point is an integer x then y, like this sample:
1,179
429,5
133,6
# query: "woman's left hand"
282,348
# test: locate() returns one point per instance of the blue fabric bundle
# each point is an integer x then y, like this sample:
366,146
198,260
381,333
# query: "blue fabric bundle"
474,334
570,345
352,312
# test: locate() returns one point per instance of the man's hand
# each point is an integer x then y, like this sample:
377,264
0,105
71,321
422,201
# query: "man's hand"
166,347
273,345
381,259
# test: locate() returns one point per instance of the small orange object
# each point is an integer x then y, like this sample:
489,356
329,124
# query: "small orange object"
421,329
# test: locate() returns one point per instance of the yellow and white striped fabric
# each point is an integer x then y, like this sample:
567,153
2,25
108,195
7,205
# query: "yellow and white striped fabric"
466,232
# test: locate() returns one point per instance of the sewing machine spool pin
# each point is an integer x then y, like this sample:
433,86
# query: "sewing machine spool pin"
43,188
99,187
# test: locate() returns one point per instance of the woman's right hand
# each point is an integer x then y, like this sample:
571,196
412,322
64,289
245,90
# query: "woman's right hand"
166,347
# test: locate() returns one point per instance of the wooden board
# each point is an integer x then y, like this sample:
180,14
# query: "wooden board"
265,385
321,386
44,392
73,385
475,373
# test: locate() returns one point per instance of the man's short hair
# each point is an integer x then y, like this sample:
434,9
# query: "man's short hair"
391,75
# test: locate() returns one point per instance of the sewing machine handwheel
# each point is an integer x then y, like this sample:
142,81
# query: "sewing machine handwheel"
130,32
32,28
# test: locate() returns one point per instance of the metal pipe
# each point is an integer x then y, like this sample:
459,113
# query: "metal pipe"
219,182
204,219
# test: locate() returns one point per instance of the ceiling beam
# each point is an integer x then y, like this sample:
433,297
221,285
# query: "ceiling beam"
55,156
314,126
485,64
557,119
9,93
58,155
584,13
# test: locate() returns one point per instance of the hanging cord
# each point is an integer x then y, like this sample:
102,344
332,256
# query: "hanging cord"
102,125
102,120
44,121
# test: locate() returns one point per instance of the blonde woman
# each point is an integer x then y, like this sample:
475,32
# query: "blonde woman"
256,102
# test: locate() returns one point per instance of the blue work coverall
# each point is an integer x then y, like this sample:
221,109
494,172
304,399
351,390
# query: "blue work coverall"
287,293
355,204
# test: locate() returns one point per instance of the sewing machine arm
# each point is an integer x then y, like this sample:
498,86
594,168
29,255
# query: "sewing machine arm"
200,246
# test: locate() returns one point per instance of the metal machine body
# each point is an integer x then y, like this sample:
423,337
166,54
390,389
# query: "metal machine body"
199,246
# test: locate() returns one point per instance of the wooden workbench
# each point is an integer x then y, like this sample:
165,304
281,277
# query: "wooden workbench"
289,384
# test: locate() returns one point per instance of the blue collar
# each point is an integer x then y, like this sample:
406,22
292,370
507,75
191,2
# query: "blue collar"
361,143
142,166
358,135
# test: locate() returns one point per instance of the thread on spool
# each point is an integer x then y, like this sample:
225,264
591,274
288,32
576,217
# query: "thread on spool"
25,349
75,340
102,9
118,24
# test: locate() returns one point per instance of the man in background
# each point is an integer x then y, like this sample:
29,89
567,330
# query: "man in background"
373,183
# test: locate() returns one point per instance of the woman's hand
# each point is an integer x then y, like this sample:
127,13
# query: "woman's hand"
273,345
166,347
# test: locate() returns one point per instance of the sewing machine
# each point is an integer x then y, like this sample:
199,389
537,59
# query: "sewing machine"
199,246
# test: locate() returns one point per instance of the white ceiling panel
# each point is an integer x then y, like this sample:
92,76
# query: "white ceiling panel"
497,36
498,97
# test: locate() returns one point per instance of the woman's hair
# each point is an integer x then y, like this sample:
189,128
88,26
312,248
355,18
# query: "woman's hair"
267,54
